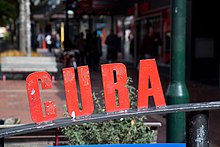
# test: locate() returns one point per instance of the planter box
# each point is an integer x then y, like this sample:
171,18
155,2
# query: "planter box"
136,145
154,126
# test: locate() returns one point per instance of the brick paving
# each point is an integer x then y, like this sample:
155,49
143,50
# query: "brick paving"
14,101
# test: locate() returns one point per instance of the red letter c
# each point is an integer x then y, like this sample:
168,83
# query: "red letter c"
34,97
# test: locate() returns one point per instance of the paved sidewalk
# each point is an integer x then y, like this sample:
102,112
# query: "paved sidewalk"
14,101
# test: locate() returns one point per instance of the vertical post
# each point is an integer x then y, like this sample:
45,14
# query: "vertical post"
62,35
67,22
136,30
177,92
57,137
2,142
197,129
112,23
28,27
91,23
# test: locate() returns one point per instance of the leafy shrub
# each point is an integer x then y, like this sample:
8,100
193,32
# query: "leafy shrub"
117,131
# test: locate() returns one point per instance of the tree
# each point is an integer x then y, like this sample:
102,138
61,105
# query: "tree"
28,27
25,27
22,39
8,15
8,10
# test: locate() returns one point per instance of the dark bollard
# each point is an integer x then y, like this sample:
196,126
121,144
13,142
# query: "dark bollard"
197,129
1,142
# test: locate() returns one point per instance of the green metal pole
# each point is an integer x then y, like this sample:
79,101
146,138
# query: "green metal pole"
177,92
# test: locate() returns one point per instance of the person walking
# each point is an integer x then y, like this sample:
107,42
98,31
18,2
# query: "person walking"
81,45
113,46
96,51
40,39
48,40
150,44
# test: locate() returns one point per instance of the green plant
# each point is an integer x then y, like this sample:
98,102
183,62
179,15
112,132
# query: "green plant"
118,131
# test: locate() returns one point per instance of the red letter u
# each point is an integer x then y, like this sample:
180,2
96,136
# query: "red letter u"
87,105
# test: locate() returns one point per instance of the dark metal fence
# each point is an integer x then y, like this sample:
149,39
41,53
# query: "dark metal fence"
197,121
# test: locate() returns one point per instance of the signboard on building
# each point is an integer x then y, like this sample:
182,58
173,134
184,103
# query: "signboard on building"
143,8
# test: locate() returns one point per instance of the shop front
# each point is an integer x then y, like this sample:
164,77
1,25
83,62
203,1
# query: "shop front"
157,16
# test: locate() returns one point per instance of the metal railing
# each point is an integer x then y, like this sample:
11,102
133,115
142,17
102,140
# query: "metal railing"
200,121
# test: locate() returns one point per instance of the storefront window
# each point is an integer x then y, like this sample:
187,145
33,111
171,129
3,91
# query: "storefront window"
156,45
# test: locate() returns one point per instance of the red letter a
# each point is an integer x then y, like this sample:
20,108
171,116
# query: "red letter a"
85,90
149,76
110,87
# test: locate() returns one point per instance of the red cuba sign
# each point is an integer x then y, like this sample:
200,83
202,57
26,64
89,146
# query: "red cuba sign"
149,85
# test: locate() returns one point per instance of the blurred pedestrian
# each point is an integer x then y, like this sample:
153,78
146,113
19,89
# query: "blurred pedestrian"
150,44
96,50
113,46
89,49
68,45
57,41
81,45
48,40
131,44
40,39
